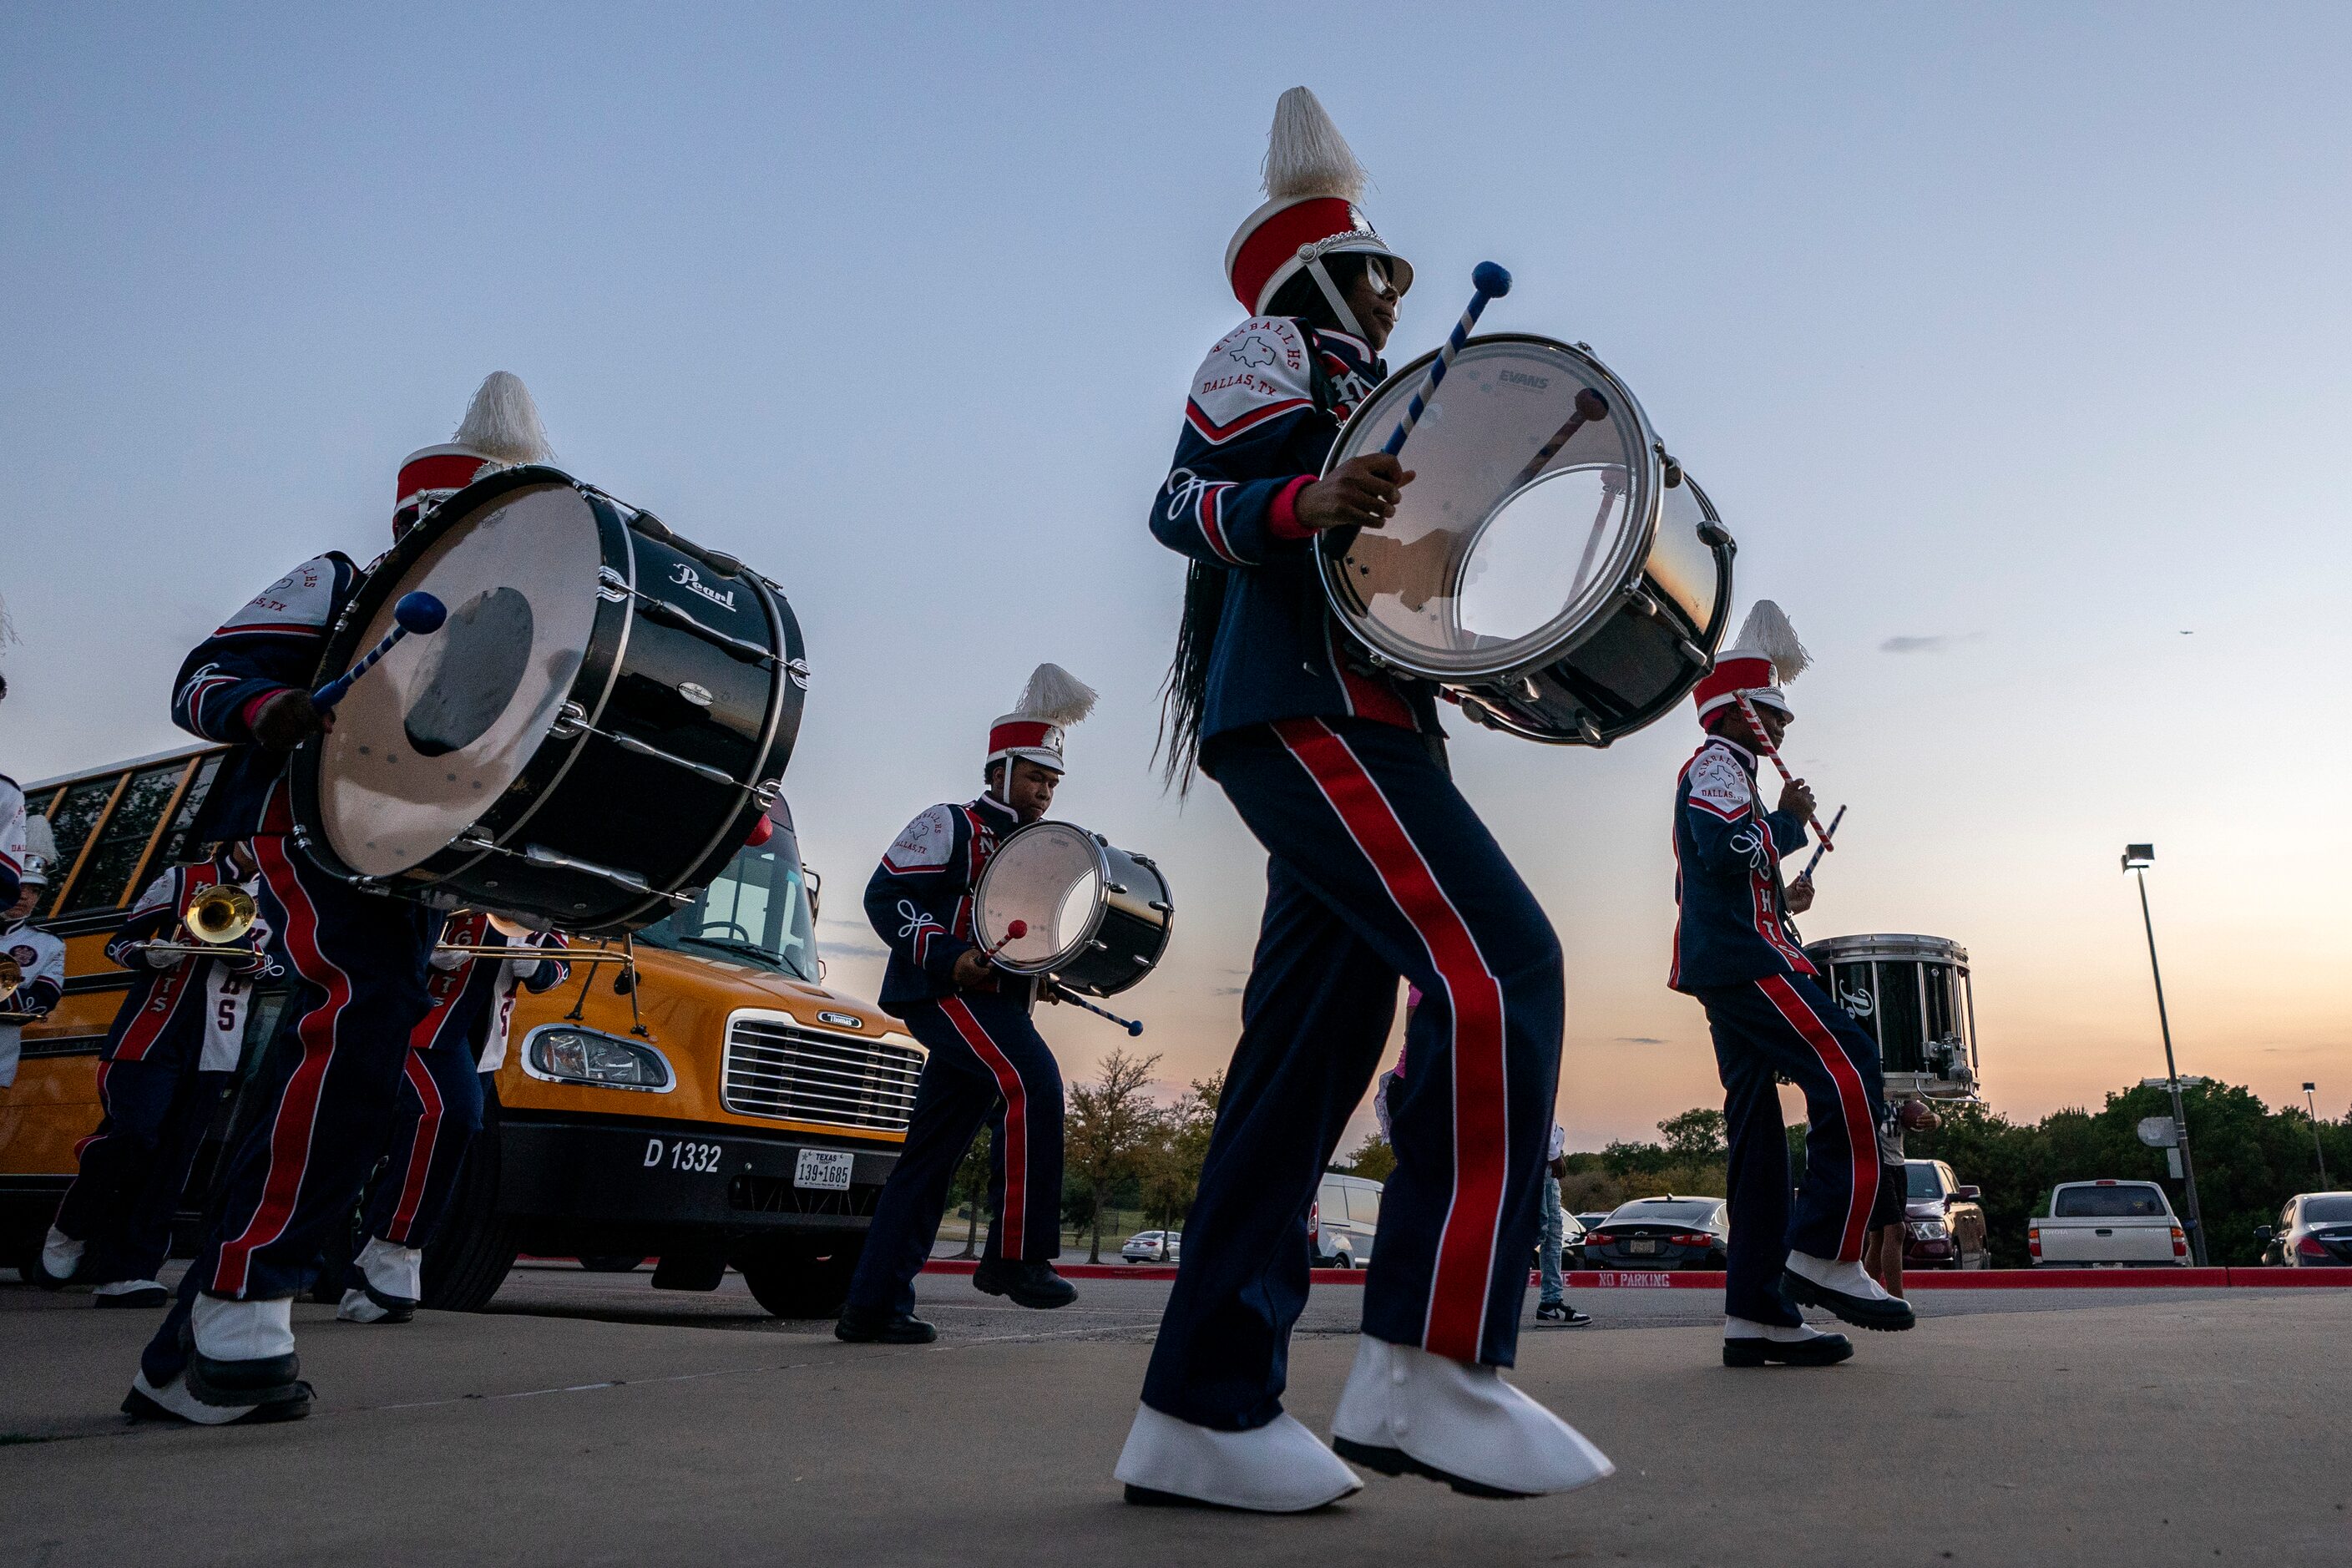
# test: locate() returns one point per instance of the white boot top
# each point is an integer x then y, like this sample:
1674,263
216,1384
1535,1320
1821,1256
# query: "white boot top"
244,1330
1462,1420
358,1306
1779,1335
1280,1467
60,1254
392,1269
1846,1278
126,1287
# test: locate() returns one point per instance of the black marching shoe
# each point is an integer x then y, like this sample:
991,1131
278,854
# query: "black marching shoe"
1029,1284
1818,1350
223,1393
130,1293
1850,1295
881,1326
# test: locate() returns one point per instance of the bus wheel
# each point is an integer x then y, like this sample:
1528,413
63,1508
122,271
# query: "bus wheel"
807,1278
468,1260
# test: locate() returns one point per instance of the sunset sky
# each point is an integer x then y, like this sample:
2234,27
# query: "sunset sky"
2012,343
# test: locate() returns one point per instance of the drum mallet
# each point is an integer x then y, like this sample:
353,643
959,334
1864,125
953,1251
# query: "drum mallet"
1013,931
1591,407
1773,751
418,612
1491,282
1067,995
1823,847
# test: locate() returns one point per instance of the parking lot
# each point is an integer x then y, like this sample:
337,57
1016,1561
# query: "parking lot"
589,1419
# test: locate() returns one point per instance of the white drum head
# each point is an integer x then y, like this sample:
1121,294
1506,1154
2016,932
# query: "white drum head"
1049,876
429,739
1520,525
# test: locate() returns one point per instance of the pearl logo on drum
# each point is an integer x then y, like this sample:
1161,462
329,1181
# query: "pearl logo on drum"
691,581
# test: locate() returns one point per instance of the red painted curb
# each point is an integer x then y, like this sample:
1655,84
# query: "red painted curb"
1131,1271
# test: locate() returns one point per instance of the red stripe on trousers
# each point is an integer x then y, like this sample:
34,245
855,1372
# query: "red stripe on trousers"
1861,1136
1017,1124
298,1108
1466,1248
420,1149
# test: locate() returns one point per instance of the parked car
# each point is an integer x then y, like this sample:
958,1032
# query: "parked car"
2315,1231
1154,1247
1342,1221
1667,1232
1943,1223
1571,1244
2106,1224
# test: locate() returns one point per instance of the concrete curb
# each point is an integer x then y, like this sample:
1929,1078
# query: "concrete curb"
1913,1279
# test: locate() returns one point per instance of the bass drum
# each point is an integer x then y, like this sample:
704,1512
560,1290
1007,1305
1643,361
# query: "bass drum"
587,741
1098,918
1548,566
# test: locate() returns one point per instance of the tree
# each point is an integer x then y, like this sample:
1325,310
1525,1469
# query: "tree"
970,1185
1373,1160
1109,1130
1695,1138
1172,1165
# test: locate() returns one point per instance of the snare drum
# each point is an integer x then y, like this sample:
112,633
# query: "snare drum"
589,737
1548,566
1098,918
1912,994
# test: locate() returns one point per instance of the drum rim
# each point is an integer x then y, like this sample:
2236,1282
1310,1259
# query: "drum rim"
1893,947
1094,842
1652,498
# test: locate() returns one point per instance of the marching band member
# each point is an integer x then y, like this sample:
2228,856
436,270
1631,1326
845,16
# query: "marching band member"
985,1048
173,1048
225,1352
32,961
1769,1016
439,1110
1377,867
12,822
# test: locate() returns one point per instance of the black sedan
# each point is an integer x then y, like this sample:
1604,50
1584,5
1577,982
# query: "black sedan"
2315,1231
1661,1232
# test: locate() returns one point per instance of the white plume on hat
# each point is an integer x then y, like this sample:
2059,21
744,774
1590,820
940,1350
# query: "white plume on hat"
1054,696
1306,155
502,422
1766,634
40,850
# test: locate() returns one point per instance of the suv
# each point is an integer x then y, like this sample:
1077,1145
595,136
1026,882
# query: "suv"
1343,1220
1943,1223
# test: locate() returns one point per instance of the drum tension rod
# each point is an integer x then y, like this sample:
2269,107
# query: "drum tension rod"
572,719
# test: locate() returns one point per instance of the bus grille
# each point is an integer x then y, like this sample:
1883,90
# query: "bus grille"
779,1069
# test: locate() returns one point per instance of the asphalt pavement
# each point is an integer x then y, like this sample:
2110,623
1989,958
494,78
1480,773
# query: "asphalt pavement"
589,1419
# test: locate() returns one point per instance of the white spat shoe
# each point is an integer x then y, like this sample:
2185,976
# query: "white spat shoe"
1280,1467
1407,1412
1844,1290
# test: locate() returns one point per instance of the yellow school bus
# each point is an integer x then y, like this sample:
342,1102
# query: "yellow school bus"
729,1111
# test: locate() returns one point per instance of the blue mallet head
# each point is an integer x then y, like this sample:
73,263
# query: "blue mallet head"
1491,279
419,612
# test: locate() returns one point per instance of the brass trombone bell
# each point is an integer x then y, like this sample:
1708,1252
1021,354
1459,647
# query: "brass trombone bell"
220,913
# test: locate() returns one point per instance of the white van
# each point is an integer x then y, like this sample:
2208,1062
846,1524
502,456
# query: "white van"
1344,1218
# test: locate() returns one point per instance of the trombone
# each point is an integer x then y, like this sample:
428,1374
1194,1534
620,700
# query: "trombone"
220,915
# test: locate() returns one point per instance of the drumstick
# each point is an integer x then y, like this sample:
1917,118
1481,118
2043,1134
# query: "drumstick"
1823,847
1490,281
1764,744
417,611
1067,995
1013,931
1590,406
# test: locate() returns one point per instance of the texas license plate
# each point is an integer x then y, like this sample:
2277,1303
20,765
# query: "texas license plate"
823,1169
1640,1248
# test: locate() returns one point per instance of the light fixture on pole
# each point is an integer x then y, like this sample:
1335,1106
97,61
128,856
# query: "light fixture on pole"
2311,1100
2137,858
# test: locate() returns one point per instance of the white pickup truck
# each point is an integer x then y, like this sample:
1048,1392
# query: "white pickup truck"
2106,1224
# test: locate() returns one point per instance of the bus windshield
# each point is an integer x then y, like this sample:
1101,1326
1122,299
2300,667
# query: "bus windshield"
756,911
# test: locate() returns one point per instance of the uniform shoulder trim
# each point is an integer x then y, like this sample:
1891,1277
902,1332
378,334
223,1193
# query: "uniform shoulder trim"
925,845
164,889
1718,784
1260,370
302,601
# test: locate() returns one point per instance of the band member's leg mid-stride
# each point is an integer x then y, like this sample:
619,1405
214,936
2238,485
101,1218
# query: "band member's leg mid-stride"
1734,951
985,1052
1377,867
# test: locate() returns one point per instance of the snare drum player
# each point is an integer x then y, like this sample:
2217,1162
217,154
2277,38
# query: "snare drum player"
173,1049
437,1112
985,1049
225,1352
32,961
1377,867
1769,1016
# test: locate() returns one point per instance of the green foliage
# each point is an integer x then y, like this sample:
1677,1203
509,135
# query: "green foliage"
1373,1159
1695,1138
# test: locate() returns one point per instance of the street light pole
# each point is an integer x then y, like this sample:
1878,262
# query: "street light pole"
2311,1100
2136,859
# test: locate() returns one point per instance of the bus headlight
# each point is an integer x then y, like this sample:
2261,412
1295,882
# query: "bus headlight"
563,1053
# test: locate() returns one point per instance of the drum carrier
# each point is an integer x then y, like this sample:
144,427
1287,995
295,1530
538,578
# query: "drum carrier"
596,730
1911,994
1097,917
1549,566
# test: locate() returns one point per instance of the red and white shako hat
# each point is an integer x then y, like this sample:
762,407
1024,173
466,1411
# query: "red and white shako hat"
1765,655
1054,700
500,430
1312,186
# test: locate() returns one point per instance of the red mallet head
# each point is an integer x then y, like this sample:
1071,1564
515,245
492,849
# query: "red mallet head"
1016,930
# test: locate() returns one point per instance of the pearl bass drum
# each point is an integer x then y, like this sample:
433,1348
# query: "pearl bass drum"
1549,566
1097,918
596,730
